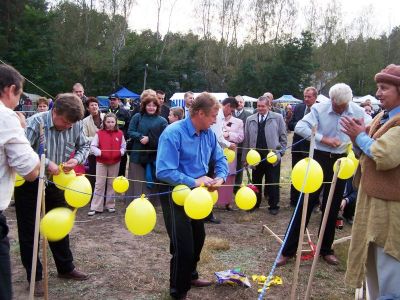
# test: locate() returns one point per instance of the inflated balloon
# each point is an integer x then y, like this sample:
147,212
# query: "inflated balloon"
272,157
230,155
353,158
347,168
19,180
57,223
214,196
245,198
179,194
78,192
198,203
253,158
140,216
314,179
120,184
62,179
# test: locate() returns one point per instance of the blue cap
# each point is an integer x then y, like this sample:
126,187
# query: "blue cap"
113,96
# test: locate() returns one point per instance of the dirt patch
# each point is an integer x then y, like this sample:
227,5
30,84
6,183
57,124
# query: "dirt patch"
123,266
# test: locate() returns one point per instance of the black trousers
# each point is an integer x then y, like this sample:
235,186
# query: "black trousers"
272,175
326,160
5,265
186,242
25,207
122,165
92,170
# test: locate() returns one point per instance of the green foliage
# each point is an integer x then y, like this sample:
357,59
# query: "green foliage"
72,42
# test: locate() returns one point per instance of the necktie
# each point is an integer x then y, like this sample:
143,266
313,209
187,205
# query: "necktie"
262,119
308,110
237,113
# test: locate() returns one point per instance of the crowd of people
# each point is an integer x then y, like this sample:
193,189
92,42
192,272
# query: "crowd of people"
185,146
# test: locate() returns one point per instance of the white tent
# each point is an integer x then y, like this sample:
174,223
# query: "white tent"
177,98
321,98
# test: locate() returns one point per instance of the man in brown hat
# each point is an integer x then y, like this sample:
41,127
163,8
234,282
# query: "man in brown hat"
375,246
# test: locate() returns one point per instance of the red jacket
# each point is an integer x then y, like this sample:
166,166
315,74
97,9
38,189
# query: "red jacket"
109,140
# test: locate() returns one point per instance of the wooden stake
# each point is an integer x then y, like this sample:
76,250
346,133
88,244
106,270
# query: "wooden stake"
44,253
322,230
341,240
303,222
273,234
37,222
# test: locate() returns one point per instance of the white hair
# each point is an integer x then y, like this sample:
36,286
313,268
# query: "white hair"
340,93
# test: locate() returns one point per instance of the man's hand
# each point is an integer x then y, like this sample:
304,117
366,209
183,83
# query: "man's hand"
215,184
144,140
53,168
331,141
69,165
232,146
352,127
343,204
205,180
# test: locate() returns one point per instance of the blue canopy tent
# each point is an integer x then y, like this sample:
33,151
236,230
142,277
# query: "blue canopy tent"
125,93
287,99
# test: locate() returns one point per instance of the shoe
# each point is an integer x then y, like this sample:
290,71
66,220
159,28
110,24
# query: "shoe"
214,220
39,289
274,211
91,213
111,210
182,297
331,259
282,261
200,283
75,275
228,207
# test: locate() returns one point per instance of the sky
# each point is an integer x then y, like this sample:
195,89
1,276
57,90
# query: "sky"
183,18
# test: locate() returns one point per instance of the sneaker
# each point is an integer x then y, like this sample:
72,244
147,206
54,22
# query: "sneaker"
111,210
91,213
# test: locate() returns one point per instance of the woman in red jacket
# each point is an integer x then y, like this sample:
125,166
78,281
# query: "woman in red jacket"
108,146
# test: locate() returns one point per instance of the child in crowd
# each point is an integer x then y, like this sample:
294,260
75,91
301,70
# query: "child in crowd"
42,104
175,114
108,145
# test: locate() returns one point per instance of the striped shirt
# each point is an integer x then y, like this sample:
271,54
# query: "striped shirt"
58,145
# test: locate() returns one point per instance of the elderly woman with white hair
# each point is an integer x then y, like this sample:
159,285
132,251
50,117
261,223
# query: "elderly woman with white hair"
330,145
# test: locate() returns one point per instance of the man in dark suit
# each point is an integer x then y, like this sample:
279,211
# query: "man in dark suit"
241,114
164,109
300,150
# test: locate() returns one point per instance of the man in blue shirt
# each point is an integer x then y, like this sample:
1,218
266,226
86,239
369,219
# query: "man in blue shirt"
330,145
185,150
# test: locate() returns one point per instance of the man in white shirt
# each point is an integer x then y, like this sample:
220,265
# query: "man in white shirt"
16,155
188,97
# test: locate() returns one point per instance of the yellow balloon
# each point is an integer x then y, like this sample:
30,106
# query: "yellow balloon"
179,194
314,178
57,223
140,216
253,158
230,155
346,168
198,203
245,198
19,180
272,157
62,179
214,196
78,192
353,158
120,184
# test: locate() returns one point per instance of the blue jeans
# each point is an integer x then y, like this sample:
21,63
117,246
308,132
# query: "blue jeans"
5,266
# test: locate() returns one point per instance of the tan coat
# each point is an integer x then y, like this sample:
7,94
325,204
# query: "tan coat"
89,128
376,220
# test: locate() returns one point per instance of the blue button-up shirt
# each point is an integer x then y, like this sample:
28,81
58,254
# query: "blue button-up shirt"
183,155
364,142
328,125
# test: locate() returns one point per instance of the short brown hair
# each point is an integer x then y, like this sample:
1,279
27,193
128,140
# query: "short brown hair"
90,100
10,76
70,106
177,112
150,97
205,102
43,100
147,92
312,89
110,115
